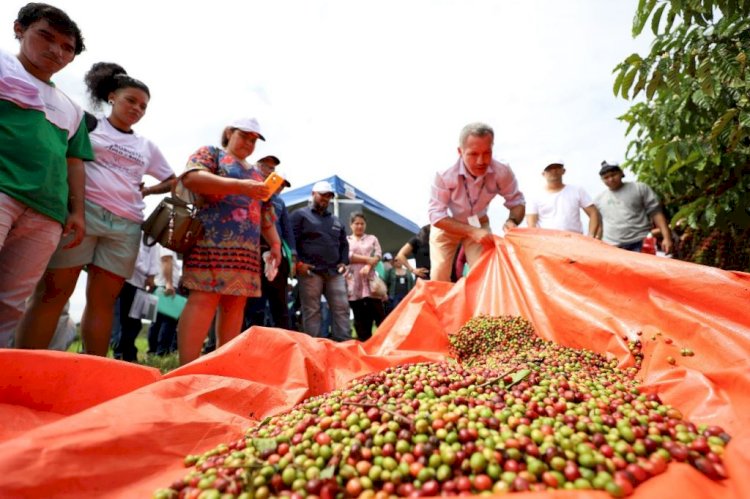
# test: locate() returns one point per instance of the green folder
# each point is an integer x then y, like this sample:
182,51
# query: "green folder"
170,306
380,270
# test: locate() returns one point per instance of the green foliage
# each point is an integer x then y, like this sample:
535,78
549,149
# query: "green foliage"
726,249
690,127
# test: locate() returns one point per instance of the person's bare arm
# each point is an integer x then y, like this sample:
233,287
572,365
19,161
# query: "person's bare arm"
532,220
515,217
403,256
661,221
166,270
367,260
160,188
272,238
203,182
594,220
76,221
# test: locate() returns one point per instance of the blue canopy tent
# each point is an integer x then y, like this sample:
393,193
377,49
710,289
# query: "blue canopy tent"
392,229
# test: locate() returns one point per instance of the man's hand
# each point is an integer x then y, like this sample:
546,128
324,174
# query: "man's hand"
276,254
303,269
666,244
169,289
421,272
509,224
482,236
150,283
255,189
76,224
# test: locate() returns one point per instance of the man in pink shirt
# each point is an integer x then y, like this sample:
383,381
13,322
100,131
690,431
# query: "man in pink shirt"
460,197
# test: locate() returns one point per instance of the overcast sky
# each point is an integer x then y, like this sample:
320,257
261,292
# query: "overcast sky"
375,92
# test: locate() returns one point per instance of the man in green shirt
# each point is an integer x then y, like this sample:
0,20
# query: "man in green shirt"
43,143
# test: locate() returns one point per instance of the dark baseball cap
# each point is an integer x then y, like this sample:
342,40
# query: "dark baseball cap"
276,162
609,167
272,158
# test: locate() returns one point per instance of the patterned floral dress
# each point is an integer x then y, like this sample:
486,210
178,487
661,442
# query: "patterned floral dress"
226,260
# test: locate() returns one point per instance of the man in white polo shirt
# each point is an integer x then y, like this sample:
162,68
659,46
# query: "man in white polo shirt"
558,206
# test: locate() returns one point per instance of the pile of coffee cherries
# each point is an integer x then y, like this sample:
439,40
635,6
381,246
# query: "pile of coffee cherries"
513,412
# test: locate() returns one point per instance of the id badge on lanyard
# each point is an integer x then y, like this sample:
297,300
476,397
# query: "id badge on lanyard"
473,220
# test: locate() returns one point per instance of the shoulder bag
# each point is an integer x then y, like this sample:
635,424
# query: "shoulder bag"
174,223
378,288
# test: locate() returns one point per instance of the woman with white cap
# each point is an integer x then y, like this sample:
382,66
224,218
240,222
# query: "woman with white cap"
224,266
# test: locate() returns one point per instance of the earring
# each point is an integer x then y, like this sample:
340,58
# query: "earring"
111,102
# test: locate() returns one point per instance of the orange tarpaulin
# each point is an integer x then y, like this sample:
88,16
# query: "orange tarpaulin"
78,426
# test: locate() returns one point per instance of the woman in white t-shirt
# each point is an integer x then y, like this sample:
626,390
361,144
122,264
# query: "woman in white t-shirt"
114,214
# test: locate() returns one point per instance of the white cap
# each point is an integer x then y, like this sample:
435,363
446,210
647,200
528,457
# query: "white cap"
247,125
322,187
551,162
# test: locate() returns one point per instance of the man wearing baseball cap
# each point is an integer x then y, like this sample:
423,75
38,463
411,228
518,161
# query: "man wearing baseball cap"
274,292
628,210
558,205
323,254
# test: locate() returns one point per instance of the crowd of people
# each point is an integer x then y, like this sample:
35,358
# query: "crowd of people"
72,198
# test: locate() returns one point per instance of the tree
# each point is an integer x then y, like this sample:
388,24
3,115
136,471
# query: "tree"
691,123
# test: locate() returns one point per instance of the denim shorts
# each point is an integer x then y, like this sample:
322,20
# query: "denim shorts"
111,243
636,246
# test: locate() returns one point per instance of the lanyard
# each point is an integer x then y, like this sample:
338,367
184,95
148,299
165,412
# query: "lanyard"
473,202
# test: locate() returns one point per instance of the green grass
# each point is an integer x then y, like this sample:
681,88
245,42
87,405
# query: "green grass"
164,364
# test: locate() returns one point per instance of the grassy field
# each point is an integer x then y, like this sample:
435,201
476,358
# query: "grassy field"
164,364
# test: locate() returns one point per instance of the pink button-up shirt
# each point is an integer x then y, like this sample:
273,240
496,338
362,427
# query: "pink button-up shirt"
357,285
455,193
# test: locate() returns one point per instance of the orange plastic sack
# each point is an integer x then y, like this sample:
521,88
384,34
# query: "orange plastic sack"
78,426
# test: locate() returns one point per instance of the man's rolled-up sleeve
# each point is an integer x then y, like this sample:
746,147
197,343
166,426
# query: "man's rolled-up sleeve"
440,196
507,187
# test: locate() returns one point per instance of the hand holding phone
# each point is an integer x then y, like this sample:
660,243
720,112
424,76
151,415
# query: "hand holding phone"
273,182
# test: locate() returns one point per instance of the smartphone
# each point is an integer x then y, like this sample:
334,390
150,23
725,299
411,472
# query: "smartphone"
273,181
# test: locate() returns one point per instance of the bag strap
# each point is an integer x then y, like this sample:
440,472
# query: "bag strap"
194,199
179,190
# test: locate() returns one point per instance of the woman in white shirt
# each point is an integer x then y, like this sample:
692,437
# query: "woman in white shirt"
114,214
